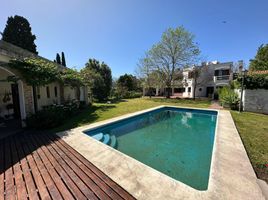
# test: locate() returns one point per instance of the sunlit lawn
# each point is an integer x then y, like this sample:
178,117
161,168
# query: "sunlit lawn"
253,130
102,111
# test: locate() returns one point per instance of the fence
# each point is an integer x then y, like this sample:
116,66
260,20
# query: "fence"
255,100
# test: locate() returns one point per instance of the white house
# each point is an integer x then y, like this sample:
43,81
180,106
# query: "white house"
213,76
16,99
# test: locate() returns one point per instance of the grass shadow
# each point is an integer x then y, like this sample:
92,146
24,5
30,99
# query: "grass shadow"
180,100
86,116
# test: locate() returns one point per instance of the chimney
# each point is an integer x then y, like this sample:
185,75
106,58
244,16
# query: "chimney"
240,66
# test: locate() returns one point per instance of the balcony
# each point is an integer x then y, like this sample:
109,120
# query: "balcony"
222,80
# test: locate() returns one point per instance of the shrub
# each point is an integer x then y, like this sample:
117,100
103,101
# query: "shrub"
82,104
132,94
228,98
52,116
45,119
255,81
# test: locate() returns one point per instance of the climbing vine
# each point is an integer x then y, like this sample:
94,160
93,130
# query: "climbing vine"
36,71
71,78
39,72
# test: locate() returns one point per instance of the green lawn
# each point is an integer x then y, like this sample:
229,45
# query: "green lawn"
253,130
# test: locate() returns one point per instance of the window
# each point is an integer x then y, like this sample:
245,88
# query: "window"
200,89
226,72
56,91
48,92
189,89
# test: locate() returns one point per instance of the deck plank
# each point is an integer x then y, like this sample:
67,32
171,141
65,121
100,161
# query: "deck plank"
123,193
2,172
18,174
71,171
43,166
9,180
60,170
24,151
66,194
86,176
29,181
52,188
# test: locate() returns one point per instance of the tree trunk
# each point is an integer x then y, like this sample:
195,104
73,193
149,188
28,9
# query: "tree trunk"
150,92
194,92
168,92
168,85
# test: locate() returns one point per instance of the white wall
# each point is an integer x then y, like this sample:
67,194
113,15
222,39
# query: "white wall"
188,83
206,79
256,101
44,100
69,93
186,93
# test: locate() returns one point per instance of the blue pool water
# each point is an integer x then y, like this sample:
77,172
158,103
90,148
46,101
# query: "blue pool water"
177,142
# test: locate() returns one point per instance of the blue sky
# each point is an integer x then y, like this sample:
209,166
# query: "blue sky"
118,32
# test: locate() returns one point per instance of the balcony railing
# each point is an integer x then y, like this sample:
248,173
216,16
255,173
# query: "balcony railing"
221,78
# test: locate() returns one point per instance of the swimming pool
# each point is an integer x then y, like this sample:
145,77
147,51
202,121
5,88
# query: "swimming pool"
177,142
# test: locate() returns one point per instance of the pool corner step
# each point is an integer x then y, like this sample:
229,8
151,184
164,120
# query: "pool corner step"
113,141
98,136
106,139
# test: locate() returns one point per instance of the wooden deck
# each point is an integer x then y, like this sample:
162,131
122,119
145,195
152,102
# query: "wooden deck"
42,166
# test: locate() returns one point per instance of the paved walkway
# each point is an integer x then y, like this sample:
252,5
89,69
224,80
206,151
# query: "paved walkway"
215,105
43,166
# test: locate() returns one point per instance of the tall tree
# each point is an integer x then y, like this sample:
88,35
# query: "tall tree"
149,76
128,81
260,62
18,32
175,50
63,62
58,59
106,74
99,79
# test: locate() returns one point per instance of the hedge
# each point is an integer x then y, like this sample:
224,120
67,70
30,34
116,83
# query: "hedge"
255,81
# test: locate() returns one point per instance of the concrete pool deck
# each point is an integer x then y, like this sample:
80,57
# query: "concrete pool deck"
231,173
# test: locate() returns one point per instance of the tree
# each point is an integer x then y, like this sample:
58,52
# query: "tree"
106,74
260,62
149,77
98,88
18,32
129,82
63,62
175,50
99,79
58,59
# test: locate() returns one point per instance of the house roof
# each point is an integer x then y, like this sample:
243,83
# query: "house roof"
258,72
15,52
